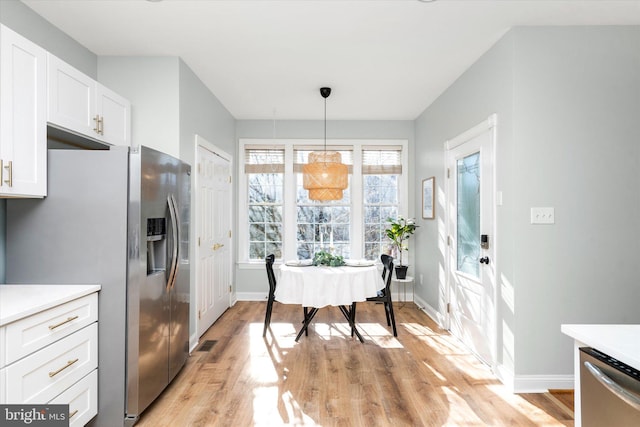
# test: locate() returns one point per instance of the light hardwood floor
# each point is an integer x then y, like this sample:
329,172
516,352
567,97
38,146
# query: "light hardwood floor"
421,378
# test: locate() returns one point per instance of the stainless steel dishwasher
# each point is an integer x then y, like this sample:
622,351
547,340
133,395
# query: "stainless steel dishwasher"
610,391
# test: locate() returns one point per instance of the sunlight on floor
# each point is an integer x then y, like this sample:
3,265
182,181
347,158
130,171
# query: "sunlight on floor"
286,332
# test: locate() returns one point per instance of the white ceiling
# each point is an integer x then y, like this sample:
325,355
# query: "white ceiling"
264,59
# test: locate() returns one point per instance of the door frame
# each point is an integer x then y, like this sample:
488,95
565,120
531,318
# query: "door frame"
490,124
201,142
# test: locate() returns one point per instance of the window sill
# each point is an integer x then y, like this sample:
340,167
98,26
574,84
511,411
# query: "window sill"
252,265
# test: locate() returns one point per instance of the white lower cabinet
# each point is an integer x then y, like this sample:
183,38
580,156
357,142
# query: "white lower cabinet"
51,356
82,399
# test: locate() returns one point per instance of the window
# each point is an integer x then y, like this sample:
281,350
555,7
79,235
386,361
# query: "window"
321,225
264,168
276,216
381,170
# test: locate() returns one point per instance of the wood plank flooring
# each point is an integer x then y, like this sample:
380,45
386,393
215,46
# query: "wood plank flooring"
421,378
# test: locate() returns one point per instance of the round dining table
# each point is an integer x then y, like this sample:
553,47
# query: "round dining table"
320,286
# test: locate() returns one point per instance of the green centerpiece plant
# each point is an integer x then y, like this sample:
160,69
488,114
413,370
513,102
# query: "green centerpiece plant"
327,259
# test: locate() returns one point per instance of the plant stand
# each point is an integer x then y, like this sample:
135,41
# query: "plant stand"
408,280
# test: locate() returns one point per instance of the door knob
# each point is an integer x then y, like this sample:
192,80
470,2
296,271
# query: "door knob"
484,260
217,246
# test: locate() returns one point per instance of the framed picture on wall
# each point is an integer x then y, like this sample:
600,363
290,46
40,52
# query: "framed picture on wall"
428,198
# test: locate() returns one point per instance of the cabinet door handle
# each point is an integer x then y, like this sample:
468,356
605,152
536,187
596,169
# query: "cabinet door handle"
97,120
69,319
9,168
57,371
73,413
101,125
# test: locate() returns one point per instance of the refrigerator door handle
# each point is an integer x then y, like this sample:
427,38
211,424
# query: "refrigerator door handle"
173,271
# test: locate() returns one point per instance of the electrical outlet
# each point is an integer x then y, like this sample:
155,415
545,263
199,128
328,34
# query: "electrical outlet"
543,216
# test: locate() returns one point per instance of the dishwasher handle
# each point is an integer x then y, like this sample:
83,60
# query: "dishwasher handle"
615,388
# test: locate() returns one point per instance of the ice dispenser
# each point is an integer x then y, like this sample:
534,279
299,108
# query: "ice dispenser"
156,245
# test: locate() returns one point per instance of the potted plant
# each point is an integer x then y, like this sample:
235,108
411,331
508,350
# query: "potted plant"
399,231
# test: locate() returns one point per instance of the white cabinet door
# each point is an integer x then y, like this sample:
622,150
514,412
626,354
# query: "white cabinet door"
71,98
115,117
80,104
23,125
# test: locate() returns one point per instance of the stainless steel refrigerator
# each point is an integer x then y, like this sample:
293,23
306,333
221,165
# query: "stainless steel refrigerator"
119,218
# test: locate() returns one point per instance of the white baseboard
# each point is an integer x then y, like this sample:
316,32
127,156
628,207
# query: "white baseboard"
193,342
430,311
541,383
533,383
252,296
506,377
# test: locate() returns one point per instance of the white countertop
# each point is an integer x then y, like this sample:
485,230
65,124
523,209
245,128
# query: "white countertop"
621,342
19,301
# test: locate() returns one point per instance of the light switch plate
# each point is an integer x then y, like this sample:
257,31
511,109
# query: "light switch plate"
543,216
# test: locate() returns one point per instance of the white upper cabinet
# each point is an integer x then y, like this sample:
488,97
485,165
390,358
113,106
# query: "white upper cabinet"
80,104
115,116
71,98
23,123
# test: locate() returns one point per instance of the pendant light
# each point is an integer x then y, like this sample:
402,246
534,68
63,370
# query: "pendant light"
325,176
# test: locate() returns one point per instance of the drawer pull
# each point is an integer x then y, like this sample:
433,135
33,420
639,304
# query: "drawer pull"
69,319
69,363
73,413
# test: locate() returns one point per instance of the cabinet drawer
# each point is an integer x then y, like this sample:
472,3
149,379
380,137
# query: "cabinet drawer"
30,334
82,398
43,375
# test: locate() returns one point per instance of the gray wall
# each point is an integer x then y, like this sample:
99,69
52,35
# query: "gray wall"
577,105
201,113
254,280
170,106
568,102
151,84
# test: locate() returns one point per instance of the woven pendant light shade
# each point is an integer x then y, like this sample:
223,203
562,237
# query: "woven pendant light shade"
325,176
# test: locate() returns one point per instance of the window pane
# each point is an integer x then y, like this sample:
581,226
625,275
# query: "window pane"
468,233
380,203
256,214
256,232
266,195
256,250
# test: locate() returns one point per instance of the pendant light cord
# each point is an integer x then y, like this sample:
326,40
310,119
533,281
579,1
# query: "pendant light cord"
325,129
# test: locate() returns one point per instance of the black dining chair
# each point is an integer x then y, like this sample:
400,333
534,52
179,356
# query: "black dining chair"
384,294
272,291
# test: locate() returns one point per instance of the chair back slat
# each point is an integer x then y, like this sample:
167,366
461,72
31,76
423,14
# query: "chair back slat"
270,275
387,271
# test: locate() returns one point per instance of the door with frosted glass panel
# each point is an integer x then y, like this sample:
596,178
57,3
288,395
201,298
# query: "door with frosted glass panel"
470,263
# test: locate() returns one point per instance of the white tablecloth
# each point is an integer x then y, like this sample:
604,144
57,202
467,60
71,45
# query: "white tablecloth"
322,286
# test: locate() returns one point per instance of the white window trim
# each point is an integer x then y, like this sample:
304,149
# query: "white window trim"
289,202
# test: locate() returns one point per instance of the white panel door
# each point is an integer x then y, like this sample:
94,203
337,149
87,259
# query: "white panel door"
471,236
214,236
